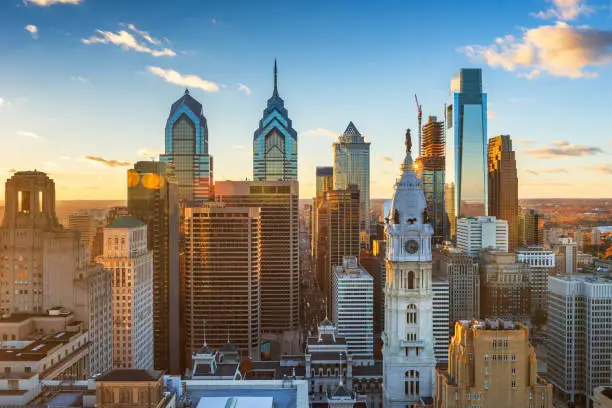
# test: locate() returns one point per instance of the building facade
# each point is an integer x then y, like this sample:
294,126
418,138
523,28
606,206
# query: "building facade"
491,364
325,179
408,350
540,263
279,252
475,234
275,142
127,257
221,291
353,306
466,138
352,167
503,186
529,229
566,255
153,199
464,285
187,149
441,307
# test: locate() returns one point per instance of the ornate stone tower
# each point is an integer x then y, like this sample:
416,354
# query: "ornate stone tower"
408,353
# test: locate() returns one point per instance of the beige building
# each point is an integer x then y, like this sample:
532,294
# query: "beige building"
126,256
131,388
602,397
491,364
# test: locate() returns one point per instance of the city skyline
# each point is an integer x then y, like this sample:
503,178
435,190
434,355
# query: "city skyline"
98,103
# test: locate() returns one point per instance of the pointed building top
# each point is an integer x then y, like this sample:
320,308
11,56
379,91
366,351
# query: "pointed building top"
351,134
186,91
275,79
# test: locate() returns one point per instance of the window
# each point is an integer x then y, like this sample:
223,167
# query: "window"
411,314
513,383
411,384
126,397
410,280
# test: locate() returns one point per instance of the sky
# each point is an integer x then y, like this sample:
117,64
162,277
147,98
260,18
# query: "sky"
86,85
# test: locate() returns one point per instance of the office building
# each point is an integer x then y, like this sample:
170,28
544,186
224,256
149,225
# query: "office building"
466,138
153,199
187,149
352,305
491,364
373,261
85,223
127,257
579,341
529,230
505,290
408,351
324,182
275,142
324,179
475,234
566,255
464,285
440,315
540,263
430,170
503,186
222,278
279,253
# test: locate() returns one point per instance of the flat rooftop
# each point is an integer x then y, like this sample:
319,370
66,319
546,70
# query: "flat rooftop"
38,349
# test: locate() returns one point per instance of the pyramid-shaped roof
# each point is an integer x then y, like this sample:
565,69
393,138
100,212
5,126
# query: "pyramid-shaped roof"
351,134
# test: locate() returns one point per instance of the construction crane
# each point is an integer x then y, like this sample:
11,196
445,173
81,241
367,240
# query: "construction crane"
420,118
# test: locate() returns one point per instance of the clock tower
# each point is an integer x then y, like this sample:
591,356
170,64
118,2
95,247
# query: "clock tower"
408,351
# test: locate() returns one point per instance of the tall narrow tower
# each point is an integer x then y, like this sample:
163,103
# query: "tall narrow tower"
408,352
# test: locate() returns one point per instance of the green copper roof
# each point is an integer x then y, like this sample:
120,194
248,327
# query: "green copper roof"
126,222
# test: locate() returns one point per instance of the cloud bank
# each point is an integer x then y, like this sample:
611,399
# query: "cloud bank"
107,162
563,149
188,81
129,41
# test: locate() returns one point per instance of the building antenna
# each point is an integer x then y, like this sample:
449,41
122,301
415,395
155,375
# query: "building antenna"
420,120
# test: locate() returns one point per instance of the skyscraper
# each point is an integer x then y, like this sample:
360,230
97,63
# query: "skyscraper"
466,137
464,285
503,186
529,231
430,170
440,316
352,167
126,256
540,263
474,234
187,149
222,270
408,351
153,199
325,180
275,142
566,255
279,252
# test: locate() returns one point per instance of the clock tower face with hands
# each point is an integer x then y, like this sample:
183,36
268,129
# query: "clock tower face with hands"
408,351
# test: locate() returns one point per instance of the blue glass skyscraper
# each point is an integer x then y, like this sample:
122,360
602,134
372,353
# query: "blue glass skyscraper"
466,154
187,149
275,142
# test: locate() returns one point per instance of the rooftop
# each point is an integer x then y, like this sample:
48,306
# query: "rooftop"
126,374
127,221
38,349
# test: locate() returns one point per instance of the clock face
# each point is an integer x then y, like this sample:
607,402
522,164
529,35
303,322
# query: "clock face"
411,246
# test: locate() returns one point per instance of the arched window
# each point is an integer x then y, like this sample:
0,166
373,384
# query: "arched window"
410,280
411,384
411,314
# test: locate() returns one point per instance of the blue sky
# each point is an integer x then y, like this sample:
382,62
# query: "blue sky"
69,91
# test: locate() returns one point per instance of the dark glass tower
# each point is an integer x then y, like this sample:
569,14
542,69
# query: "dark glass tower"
275,142
187,149
466,155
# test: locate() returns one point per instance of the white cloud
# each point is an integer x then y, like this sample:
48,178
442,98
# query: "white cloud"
559,50
45,3
146,152
565,10
320,132
189,81
33,30
128,41
25,133
244,88
80,79
3,102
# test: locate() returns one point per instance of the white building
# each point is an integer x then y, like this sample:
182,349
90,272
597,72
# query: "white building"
127,258
474,234
541,263
408,350
441,328
579,328
353,306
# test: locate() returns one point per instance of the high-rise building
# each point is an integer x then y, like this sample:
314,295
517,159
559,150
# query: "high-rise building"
338,233
466,138
408,351
325,180
540,263
373,261
491,364
85,224
352,167
504,286
187,149
475,234
352,306
279,252
440,316
221,290
503,186
529,230
579,341
127,257
566,255
275,142
153,199
430,170
464,285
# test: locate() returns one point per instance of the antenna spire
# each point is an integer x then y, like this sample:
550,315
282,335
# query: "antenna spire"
275,78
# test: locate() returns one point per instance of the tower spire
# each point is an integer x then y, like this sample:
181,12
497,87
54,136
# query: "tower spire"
275,79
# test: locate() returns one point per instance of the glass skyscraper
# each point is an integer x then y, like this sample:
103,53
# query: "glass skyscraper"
352,167
466,154
187,149
275,142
